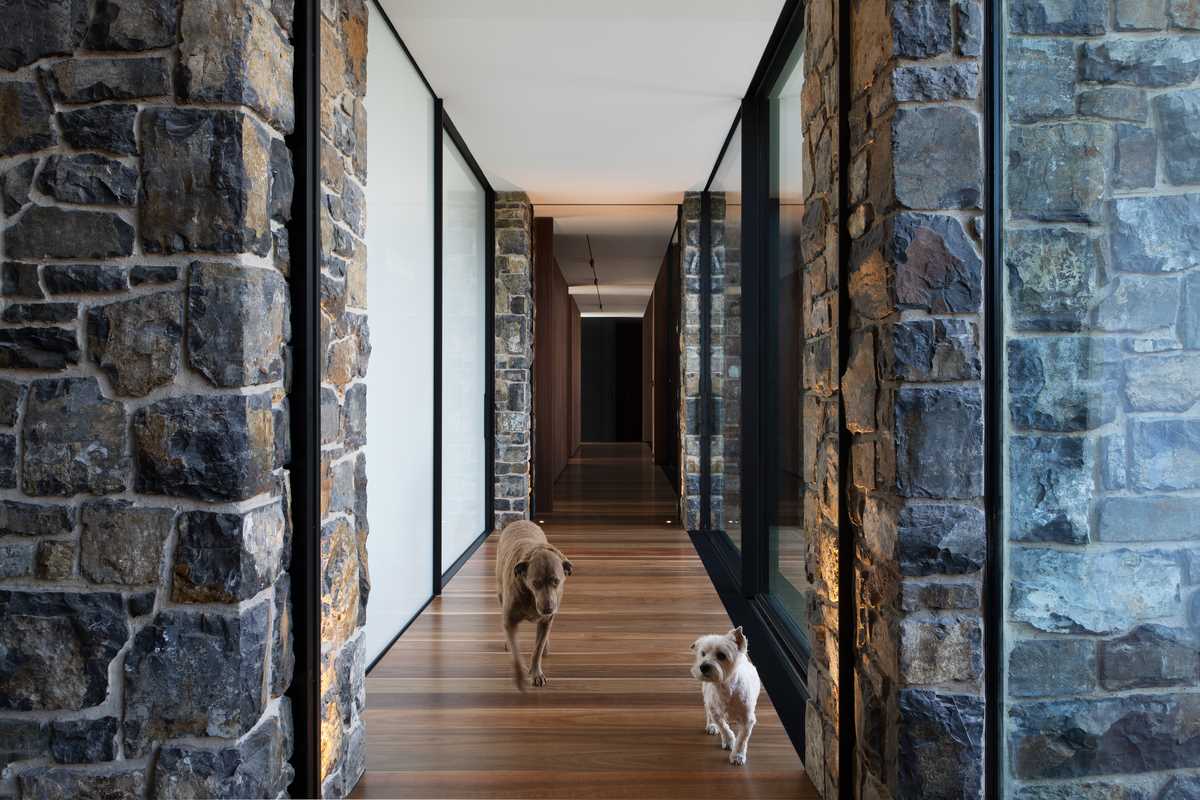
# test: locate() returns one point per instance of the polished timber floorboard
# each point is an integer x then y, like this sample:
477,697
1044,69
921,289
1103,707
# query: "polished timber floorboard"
621,717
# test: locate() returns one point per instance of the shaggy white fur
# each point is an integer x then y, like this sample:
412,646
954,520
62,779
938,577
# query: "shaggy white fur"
730,685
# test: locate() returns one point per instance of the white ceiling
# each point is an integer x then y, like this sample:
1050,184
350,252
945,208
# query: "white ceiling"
587,101
628,245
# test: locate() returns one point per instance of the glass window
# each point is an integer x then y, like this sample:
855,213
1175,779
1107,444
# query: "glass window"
801,358
1101,268
399,279
725,364
464,354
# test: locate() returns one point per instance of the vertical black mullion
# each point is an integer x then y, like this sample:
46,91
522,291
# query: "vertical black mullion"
993,403
704,407
304,404
847,605
754,543
438,126
489,381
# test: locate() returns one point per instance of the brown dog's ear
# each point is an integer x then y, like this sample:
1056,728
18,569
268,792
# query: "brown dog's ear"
568,567
739,638
521,568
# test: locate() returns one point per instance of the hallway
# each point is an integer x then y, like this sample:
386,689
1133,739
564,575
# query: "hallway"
621,717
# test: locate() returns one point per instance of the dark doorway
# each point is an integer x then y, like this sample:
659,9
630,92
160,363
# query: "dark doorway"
612,380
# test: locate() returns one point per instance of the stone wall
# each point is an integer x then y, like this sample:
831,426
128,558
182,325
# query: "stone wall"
913,403
819,389
514,356
690,364
144,519
1103,358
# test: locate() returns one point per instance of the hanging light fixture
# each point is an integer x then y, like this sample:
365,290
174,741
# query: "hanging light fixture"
592,262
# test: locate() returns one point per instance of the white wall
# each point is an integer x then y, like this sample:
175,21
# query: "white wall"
400,384
464,348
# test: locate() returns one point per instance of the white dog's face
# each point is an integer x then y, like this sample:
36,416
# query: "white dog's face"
717,656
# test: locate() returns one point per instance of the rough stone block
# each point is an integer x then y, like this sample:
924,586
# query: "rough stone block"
1096,592
920,28
1179,130
1057,172
946,82
15,185
1138,303
108,128
1162,383
195,673
1050,488
238,55
205,182
84,741
937,267
38,348
1164,454
18,559
1073,17
255,766
940,650
941,745
21,740
1113,102
227,557
1183,14
24,118
1040,80
935,350
206,447
939,596
939,442
8,461
339,582
1156,234
74,439
1140,15
132,24
1052,277
57,647
1164,61
1149,656
1048,667
153,275
940,539
1080,737
237,323
969,15
137,342
1068,383
924,178
283,659
35,29
12,395
32,519
90,80
19,313
119,779
18,279
1153,518
1187,327
85,278
88,179
55,560
283,181
52,232
122,543
1135,157
354,416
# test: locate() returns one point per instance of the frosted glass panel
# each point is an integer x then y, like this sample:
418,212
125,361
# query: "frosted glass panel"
400,384
464,348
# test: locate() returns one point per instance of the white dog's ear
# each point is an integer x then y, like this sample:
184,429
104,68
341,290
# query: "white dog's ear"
692,646
739,638
568,567
521,568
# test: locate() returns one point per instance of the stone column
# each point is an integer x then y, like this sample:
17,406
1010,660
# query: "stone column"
913,401
689,364
145,189
514,355
345,340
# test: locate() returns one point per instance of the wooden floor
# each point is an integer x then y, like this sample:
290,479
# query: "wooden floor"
621,717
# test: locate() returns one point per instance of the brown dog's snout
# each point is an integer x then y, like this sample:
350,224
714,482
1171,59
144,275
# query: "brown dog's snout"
547,609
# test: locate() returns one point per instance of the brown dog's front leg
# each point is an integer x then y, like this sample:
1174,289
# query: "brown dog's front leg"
539,650
510,636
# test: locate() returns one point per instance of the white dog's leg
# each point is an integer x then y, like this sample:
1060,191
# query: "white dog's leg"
727,736
738,756
539,649
710,722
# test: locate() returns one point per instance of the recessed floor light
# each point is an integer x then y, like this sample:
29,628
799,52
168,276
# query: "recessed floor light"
541,522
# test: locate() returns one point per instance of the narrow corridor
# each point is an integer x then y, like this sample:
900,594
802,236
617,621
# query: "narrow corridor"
621,718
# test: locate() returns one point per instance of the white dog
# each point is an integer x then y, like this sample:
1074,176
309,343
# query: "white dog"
730,686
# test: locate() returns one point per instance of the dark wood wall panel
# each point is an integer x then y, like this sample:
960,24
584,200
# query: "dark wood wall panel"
648,374
576,377
664,386
552,368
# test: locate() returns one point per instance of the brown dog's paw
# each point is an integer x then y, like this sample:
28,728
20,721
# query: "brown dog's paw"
539,678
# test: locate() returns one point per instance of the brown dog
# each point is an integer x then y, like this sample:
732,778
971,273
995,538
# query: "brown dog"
530,574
